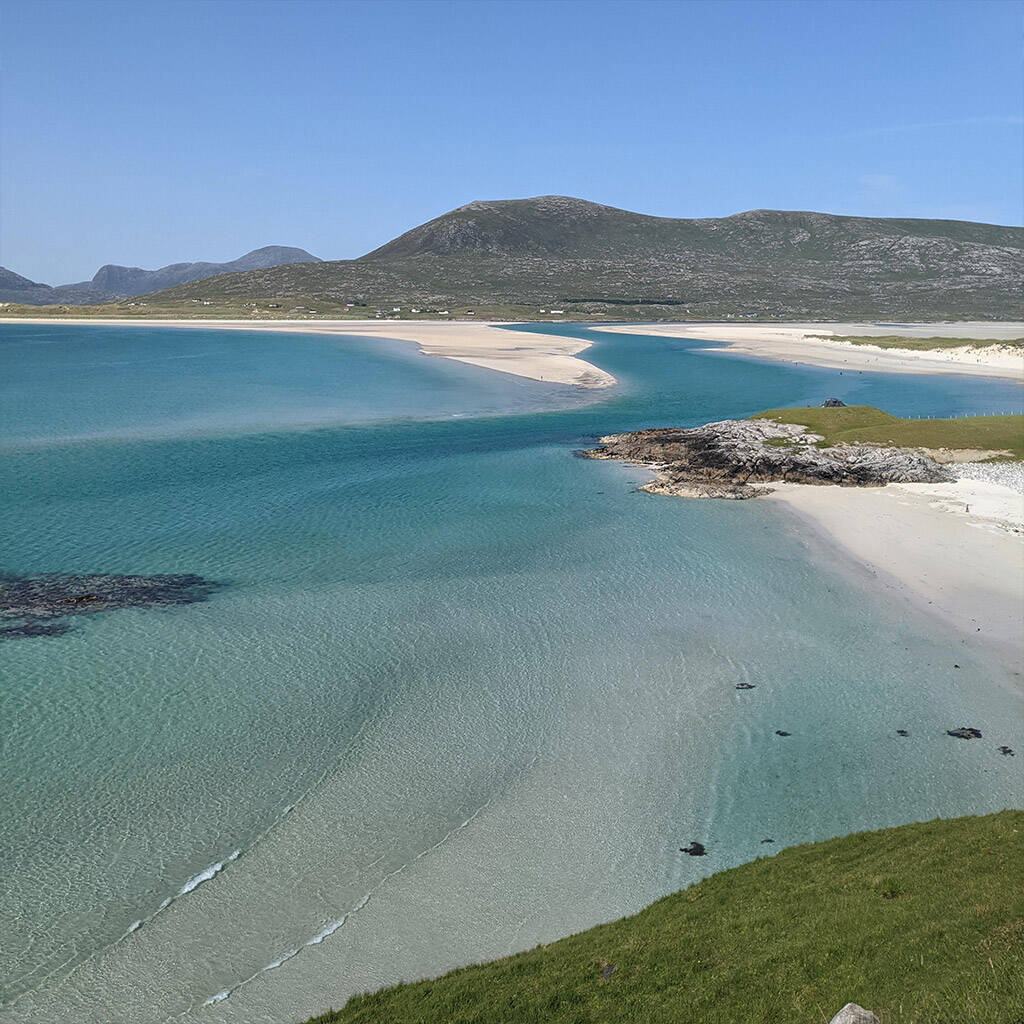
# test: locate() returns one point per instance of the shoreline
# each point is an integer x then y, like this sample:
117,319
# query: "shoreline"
918,542
795,343
540,357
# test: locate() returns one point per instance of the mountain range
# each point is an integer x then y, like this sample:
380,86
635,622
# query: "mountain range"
518,257
112,282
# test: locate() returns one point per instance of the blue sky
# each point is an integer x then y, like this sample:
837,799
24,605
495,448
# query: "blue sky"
150,133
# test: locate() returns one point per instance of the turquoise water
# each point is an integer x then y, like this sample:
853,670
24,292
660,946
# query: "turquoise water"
459,693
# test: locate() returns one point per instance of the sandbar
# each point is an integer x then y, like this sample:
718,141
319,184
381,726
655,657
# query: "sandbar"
536,356
795,343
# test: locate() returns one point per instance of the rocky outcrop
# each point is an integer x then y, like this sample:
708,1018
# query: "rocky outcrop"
734,458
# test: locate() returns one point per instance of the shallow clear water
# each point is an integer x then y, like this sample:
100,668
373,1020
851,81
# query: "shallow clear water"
460,693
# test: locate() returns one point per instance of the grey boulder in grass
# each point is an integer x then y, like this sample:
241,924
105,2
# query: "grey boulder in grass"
851,1013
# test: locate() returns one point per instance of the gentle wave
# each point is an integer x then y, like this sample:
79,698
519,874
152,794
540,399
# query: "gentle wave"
211,872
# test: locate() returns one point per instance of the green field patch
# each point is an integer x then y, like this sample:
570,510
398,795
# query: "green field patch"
853,424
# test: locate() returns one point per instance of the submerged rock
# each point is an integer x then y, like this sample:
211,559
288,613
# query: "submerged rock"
833,403
1008,751
731,458
964,733
745,686
39,605
851,1013
694,849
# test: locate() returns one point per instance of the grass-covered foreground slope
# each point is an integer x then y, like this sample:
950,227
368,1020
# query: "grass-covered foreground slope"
864,423
922,924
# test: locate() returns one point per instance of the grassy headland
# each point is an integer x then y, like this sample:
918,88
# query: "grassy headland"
864,423
922,924
921,344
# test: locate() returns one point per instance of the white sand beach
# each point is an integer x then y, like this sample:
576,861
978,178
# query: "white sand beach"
954,549
522,353
796,343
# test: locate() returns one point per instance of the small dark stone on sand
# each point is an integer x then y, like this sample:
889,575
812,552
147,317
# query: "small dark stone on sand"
694,849
964,733
902,732
744,686
782,732
1007,751
956,666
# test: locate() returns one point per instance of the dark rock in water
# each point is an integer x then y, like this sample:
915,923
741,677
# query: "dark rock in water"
1008,751
768,840
744,686
780,732
40,605
732,458
694,849
833,403
902,732
964,733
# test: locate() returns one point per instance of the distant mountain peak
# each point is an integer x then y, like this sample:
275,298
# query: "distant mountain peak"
113,281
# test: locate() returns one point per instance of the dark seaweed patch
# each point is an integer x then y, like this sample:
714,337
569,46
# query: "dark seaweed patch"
33,606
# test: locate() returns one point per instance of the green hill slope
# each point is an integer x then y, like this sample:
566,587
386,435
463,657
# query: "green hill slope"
516,257
922,924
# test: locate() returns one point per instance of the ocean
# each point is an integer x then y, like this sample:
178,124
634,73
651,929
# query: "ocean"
454,692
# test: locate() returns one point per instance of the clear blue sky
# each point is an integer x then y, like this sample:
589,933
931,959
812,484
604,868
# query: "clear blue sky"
149,133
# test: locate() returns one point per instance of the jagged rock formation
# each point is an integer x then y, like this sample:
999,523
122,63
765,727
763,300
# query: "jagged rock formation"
729,459
38,605
585,258
112,282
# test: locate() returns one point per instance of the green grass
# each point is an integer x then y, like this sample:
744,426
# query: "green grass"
864,423
922,924
921,344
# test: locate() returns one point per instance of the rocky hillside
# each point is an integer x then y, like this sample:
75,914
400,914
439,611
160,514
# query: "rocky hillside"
112,282
587,259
